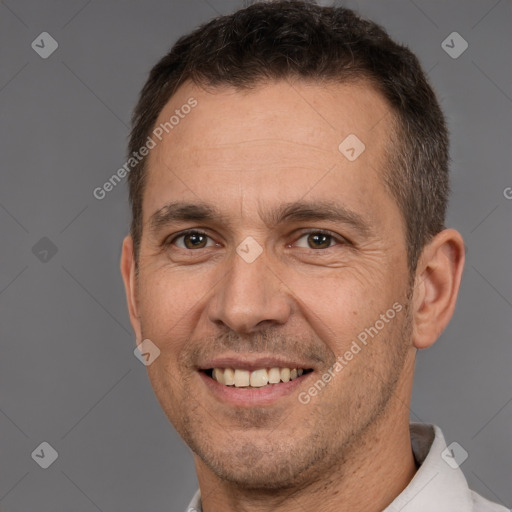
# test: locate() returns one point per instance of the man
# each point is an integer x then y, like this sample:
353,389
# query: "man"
288,257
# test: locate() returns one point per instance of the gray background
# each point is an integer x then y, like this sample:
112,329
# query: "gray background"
68,375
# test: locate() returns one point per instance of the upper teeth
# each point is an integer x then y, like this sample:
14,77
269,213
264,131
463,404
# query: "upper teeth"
256,378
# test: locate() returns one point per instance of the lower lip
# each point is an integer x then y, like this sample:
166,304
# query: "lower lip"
253,396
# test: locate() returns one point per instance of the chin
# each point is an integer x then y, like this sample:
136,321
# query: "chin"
263,466
258,477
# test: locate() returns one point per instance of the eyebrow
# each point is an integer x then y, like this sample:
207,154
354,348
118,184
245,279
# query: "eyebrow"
298,211
181,212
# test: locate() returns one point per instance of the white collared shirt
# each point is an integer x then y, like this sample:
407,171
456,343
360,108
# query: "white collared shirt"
438,486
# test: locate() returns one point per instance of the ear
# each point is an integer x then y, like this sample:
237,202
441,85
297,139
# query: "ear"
130,284
437,283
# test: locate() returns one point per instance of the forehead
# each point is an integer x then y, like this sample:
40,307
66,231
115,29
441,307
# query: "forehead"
319,112
278,141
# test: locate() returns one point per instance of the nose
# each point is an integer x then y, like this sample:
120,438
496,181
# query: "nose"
250,297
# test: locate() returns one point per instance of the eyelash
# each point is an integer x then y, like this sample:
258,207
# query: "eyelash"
170,241
339,239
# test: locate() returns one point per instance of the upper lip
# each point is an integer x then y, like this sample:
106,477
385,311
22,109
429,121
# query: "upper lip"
252,363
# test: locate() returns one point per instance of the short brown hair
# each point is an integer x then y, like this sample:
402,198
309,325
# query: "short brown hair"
299,39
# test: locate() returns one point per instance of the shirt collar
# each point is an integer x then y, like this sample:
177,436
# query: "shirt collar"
435,486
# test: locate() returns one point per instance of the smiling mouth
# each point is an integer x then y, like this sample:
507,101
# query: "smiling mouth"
259,378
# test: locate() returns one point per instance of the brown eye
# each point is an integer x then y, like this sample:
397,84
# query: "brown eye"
192,240
195,241
319,240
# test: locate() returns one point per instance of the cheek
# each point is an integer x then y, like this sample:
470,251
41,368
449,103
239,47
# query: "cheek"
166,305
339,303
169,291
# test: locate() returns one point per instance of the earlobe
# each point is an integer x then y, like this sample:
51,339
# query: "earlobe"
130,283
438,277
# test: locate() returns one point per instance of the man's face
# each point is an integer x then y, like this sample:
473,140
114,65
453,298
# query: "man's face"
300,250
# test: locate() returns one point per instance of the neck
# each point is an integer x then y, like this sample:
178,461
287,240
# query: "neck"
368,477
